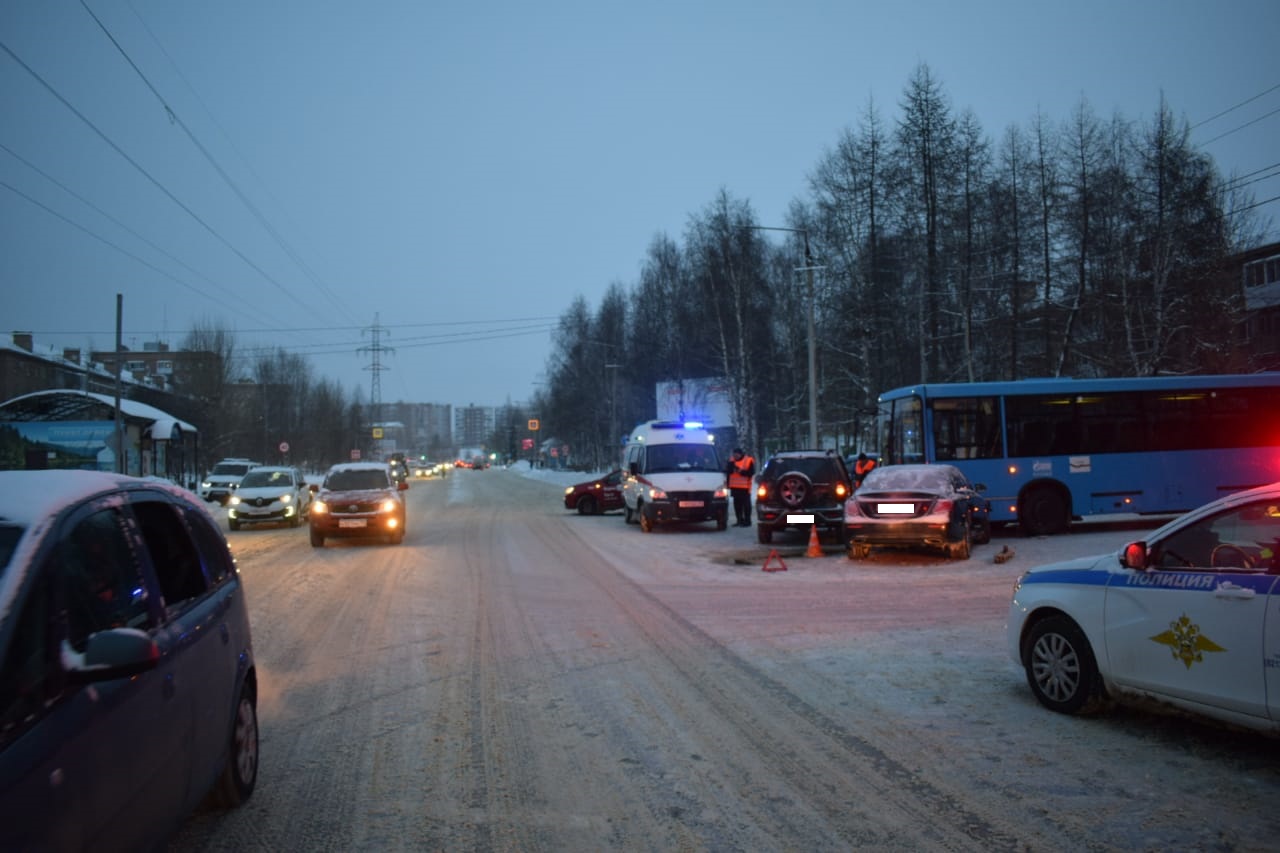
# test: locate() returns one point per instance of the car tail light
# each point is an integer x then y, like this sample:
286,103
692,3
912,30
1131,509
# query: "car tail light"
762,492
852,509
943,505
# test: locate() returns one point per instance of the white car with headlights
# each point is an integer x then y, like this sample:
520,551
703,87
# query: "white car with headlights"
1188,616
269,495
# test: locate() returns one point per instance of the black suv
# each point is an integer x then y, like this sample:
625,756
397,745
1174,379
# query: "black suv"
799,483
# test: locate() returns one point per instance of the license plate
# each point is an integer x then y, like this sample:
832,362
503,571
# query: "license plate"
351,522
690,504
896,509
800,519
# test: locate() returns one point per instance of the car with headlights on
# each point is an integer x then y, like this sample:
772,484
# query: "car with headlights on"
596,496
270,494
128,689
358,500
1185,616
927,506
799,489
224,478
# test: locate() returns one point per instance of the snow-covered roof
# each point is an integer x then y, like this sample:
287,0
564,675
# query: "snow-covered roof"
132,408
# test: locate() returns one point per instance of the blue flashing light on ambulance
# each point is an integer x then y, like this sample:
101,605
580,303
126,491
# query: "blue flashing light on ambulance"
1051,451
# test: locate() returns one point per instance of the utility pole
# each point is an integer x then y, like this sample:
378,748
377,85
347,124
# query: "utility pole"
376,349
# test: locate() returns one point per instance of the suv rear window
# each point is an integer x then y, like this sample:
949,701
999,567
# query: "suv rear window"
815,468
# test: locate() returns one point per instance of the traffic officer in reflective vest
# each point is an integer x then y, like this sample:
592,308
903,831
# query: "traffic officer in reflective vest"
861,468
741,469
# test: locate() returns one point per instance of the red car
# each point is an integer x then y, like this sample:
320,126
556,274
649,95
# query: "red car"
596,496
358,499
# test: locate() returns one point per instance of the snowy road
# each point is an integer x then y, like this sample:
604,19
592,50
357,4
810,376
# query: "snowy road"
516,677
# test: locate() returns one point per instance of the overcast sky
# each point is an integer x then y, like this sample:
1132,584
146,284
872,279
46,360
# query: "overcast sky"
301,171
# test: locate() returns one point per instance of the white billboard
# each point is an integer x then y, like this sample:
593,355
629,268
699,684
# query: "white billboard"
705,400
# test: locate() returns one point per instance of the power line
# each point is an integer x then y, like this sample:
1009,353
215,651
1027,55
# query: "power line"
1236,107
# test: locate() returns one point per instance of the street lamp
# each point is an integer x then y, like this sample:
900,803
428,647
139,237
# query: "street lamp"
808,269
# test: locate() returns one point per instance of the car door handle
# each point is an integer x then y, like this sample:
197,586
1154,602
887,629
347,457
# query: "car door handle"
1227,589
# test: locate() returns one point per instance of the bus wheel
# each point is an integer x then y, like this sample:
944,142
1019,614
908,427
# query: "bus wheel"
1042,512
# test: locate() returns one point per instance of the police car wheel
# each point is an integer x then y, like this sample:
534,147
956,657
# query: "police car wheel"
1061,669
646,520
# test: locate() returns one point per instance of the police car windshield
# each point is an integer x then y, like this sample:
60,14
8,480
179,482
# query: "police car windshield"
681,457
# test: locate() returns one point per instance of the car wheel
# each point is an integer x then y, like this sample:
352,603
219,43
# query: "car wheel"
295,521
1042,512
646,520
233,524
1061,669
628,515
240,774
764,534
587,506
793,489
983,534
317,539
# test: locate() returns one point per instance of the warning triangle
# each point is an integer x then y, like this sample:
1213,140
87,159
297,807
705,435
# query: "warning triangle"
773,555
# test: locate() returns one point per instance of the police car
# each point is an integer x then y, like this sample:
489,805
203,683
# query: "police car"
1179,617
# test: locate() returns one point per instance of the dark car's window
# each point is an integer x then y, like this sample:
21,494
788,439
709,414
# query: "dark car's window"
28,668
104,586
815,468
173,556
351,481
211,545
9,536
906,478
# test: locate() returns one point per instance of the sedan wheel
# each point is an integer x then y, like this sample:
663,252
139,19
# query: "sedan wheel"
587,506
1061,669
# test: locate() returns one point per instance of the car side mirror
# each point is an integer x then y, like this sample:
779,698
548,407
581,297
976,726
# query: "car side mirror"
1134,556
402,485
114,653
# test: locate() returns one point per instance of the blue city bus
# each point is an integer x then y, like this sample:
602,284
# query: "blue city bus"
1050,451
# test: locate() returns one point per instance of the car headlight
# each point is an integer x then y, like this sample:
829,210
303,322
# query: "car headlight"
569,490
204,484
284,499
389,505
235,501
319,506
656,494
722,492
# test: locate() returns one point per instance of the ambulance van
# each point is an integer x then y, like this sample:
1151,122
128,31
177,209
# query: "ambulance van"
672,472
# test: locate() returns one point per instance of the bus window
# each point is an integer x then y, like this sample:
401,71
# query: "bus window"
902,431
966,428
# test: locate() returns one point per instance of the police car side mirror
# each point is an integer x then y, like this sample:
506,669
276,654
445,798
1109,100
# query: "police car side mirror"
1134,556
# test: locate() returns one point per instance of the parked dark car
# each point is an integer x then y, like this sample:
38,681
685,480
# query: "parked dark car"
922,506
358,500
801,488
128,690
596,496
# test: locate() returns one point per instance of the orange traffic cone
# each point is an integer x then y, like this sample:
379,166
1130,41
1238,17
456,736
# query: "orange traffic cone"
815,547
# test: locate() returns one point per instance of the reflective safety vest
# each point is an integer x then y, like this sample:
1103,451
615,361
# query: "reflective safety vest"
862,468
738,478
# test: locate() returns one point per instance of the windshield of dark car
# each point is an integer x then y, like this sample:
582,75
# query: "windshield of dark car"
352,481
258,479
9,536
681,457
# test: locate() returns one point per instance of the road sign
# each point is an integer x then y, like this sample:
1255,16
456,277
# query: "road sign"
284,447
533,424
355,455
